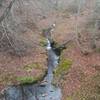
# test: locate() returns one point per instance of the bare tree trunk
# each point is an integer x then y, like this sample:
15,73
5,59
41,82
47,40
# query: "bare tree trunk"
6,12
77,24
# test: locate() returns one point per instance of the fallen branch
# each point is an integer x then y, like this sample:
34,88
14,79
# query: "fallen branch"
65,44
59,48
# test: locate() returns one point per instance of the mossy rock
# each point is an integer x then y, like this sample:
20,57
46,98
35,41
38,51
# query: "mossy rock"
43,42
29,79
26,80
63,67
60,71
24,75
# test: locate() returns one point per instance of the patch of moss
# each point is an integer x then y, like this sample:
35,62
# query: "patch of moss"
28,79
43,42
98,50
63,67
25,79
69,98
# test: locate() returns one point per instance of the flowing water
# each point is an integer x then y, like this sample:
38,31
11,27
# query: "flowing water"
42,91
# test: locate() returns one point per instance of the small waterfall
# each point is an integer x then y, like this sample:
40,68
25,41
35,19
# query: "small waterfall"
42,91
48,45
52,62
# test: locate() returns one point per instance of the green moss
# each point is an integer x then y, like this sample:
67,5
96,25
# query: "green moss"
28,79
43,42
63,67
25,79
98,50
69,98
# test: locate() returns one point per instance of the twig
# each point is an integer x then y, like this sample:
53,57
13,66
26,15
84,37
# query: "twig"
64,44
3,32
6,34
67,42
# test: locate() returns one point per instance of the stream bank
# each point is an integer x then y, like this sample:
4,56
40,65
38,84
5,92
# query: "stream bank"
40,91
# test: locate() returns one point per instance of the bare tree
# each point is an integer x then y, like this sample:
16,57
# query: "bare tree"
10,41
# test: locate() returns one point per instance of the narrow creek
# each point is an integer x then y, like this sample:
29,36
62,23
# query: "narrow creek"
40,91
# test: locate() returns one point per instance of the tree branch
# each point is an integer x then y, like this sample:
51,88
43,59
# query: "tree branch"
6,12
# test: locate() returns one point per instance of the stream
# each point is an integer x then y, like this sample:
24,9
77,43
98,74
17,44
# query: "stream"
40,91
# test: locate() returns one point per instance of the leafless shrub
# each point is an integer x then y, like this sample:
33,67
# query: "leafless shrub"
11,38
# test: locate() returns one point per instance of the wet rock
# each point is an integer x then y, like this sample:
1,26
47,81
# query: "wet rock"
13,93
31,92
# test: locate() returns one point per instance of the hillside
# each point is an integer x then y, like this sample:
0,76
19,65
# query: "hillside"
23,54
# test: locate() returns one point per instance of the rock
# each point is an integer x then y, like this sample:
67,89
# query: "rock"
44,95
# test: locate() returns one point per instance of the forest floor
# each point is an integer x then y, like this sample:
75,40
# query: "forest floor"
83,66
